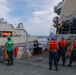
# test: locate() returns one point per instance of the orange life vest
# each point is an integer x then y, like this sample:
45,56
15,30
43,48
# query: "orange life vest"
53,45
74,45
62,43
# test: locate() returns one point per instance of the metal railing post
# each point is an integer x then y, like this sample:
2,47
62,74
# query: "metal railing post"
27,42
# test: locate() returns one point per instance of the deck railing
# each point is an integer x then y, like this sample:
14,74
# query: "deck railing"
68,29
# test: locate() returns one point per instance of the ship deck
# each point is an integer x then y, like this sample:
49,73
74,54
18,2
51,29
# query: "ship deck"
28,66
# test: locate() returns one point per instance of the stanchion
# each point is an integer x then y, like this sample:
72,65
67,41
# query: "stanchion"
28,54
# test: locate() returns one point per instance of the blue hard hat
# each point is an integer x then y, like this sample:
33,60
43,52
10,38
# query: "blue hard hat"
75,38
63,37
53,38
74,19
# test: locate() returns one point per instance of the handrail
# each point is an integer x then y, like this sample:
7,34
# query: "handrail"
69,30
27,43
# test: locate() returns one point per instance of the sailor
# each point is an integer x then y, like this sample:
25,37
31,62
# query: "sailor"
36,48
53,55
73,53
9,49
62,50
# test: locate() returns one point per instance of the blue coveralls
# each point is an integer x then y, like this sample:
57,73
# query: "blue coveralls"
73,57
62,53
73,54
53,56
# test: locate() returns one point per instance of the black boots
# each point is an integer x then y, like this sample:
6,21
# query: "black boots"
69,65
8,64
11,63
50,68
56,69
63,64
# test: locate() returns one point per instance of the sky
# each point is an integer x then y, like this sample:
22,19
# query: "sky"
36,15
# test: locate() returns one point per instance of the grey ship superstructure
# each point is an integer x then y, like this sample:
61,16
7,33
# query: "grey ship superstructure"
18,34
66,9
65,22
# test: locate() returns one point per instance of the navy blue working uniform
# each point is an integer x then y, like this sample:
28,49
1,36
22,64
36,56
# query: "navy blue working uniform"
62,50
53,55
73,54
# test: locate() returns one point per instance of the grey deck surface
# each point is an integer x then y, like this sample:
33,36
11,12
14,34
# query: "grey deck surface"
28,66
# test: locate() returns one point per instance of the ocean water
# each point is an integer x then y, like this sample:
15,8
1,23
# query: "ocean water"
42,39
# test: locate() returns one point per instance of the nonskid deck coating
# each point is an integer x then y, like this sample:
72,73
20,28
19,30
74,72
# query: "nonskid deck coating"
28,66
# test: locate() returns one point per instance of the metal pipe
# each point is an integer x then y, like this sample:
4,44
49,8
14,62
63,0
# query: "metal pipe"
27,43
